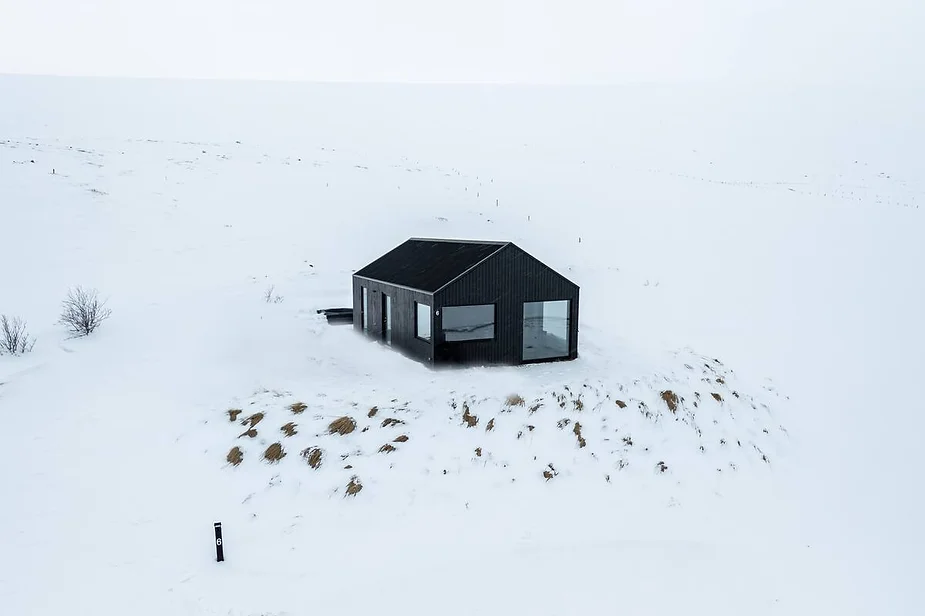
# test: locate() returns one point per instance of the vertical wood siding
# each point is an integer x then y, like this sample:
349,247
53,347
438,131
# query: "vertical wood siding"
403,317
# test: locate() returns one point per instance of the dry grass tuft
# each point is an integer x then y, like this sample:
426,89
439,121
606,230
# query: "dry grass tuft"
720,380
621,404
253,420
354,487
514,400
717,397
274,453
289,429
233,414
548,475
314,456
342,425
387,448
490,425
535,407
577,430
531,428
372,412
249,434
661,466
671,399
235,456
391,421
563,422
297,407
579,405
478,452
401,439
470,419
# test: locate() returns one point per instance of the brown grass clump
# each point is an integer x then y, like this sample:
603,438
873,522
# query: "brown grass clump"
314,456
470,419
577,430
514,400
579,405
548,475
391,421
235,456
233,414
621,404
274,453
372,412
387,448
401,439
249,434
297,407
717,397
354,487
490,425
289,429
671,399
342,425
253,420
478,452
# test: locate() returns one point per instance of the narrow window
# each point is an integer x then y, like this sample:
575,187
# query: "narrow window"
461,323
364,310
422,321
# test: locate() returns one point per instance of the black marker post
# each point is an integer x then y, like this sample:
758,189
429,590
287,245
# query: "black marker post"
219,549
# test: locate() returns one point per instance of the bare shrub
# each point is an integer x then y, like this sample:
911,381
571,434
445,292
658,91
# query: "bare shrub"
354,487
297,407
235,456
271,297
14,339
82,311
289,429
274,453
342,425
514,400
233,414
470,419
314,456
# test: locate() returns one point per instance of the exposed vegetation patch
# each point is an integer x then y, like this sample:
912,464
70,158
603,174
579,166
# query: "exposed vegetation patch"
342,425
354,487
717,397
671,399
297,407
235,456
490,426
233,414
576,429
401,439
372,412
387,448
274,453
253,420
621,404
391,421
314,456
478,452
289,429
470,420
249,434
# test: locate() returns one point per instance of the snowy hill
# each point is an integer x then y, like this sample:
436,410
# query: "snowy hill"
735,436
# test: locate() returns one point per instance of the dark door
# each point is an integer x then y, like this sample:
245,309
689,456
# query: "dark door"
387,319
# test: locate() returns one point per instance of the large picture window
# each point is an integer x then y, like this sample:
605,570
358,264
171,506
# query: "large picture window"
422,321
546,330
462,323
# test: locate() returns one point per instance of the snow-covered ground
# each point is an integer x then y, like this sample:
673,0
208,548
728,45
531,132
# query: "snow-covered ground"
763,246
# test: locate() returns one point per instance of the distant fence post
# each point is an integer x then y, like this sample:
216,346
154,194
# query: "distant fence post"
219,548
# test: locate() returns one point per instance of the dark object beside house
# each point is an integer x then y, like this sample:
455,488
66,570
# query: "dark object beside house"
337,316
447,301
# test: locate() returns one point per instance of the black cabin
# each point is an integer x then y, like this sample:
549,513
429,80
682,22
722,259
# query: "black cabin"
446,301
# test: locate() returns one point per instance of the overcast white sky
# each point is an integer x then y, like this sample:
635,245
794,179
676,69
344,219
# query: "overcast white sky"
469,40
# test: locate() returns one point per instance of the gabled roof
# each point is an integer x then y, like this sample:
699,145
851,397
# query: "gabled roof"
427,264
